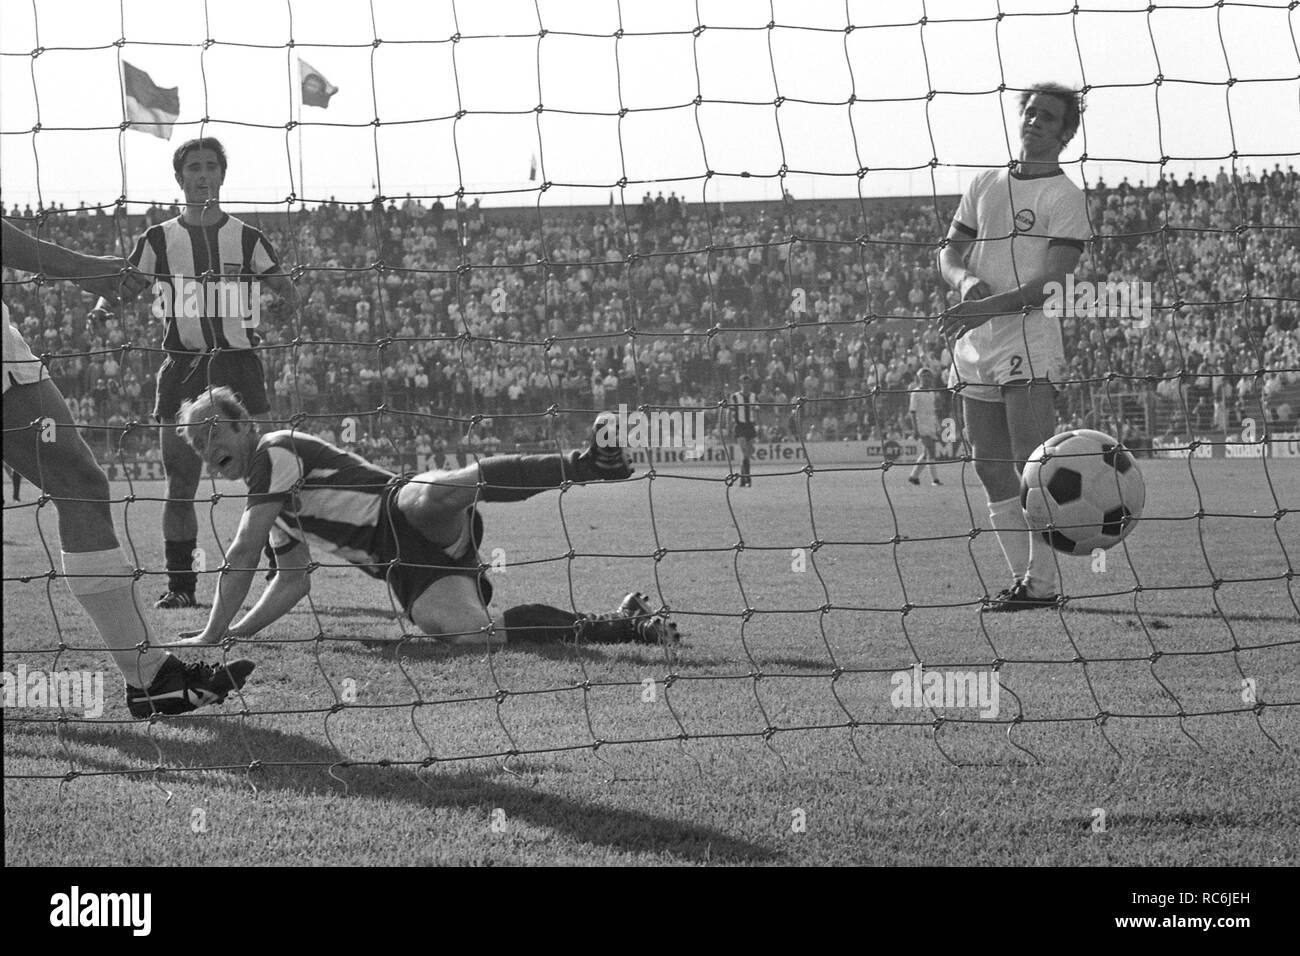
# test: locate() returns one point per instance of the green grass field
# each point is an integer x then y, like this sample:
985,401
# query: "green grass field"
745,754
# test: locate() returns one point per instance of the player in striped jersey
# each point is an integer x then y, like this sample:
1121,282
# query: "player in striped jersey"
209,269
923,409
41,442
744,412
420,533
1023,229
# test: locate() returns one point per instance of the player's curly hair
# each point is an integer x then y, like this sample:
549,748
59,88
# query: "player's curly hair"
1068,96
190,145
220,403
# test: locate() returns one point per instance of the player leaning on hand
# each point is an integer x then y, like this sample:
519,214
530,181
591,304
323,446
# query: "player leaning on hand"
1016,230
419,533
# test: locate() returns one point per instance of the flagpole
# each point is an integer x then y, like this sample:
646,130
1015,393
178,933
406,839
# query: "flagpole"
302,186
302,183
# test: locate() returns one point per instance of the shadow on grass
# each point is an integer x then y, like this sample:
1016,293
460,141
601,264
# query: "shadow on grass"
1154,618
427,649
299,766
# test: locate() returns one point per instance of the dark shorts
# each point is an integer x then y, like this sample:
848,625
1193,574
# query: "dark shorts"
421,562
746,430
185,375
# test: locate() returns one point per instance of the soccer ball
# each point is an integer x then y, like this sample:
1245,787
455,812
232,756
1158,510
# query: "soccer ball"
1081,490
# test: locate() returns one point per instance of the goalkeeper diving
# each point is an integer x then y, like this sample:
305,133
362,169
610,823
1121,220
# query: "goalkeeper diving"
419,533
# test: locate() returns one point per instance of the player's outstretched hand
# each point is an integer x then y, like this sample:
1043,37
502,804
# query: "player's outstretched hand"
194,639
113,279
279,307
187,639
960,319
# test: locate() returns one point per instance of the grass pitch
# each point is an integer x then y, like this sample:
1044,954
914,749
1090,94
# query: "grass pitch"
1124,734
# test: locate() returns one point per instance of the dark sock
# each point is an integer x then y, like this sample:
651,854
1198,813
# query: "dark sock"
542,624
180,565
538,624
270,557
516,477
744,468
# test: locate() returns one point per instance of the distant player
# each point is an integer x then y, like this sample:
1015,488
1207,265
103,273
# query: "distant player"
1015,231
923,410
209,270
16,477
744,413
42,443
420,533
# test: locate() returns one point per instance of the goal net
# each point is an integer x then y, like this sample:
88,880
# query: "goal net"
502,219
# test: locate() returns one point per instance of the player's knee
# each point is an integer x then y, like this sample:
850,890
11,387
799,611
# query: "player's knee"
429,503
74,474
86,480
462,627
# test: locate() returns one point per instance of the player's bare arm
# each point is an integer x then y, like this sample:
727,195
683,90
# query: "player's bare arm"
236,578
952,266
290,585
972,313
109,277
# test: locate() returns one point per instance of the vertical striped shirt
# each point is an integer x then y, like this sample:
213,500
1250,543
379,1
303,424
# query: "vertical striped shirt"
204,279
744,405
331,500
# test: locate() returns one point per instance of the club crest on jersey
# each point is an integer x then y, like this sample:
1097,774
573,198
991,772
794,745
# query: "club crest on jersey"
1025,220
222,297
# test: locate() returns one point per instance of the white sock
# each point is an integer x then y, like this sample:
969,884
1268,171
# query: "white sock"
1008,520
101,582
1041,576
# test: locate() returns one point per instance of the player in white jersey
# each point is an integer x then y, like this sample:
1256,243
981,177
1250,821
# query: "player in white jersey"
1016,231
923,410
209,269
420,533
41,442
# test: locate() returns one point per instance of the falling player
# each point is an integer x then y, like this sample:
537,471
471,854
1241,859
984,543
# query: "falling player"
1021,228
744,412
923,409
209,269
308,498
41,442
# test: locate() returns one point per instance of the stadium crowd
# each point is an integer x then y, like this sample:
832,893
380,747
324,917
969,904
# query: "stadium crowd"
466,325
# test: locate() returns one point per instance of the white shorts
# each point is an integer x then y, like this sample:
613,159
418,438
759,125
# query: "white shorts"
21,367
1006,350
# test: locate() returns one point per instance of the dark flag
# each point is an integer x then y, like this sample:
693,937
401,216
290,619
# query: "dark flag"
532,168
149,108
316,90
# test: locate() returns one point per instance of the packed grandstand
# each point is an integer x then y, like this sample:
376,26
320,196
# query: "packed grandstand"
458,328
